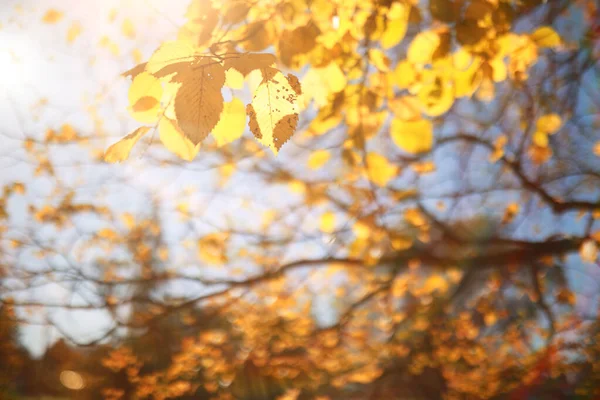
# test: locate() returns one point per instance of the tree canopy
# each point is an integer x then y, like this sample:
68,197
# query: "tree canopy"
304,199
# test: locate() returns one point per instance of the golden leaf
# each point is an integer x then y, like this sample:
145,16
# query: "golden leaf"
274,109
545,36
510,212
212,248
379,60
415,136
245,63
170,53
549,123
327,222
199,102
423,47
396,25
320,83
144,96
318,158
234,79
435,282
128,29
437,96
73,32
597,148
379,169
175,141
52,16
120,150
232,124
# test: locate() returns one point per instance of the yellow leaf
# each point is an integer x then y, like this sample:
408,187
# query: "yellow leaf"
498,152
549,123
199,102
327,223
510,212
169,53
400,242
120,150
137,56
319,83
545,36
414,136
52,16
212,248
318,158
597,148
144,96
423,47
175,141
540,139
396,27
379,169
404,75
435,282
437,96
232,124
128,29
234,79
589,251
73,32
379,60
274,109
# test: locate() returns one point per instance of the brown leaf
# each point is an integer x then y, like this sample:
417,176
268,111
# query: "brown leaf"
246,63
199,102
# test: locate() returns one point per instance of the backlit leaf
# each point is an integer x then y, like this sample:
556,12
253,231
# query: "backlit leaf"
396,26
232,124
175,141
274,110
52,16
144,96
379,170
545,36
318,158
415,136
199,102
73,32
327,222
120,150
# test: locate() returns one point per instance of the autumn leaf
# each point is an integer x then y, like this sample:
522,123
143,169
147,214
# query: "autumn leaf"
318,158
245,63
199,102
120,150
232,123
73,32
327,222
320,83
168,54
415,136
380,171
52,16
144,96
175,141
397,25
545,36
274,109
128,29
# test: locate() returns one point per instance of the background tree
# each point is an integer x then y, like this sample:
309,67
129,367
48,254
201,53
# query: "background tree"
428,228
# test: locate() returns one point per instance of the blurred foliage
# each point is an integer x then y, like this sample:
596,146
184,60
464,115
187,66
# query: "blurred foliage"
429,230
